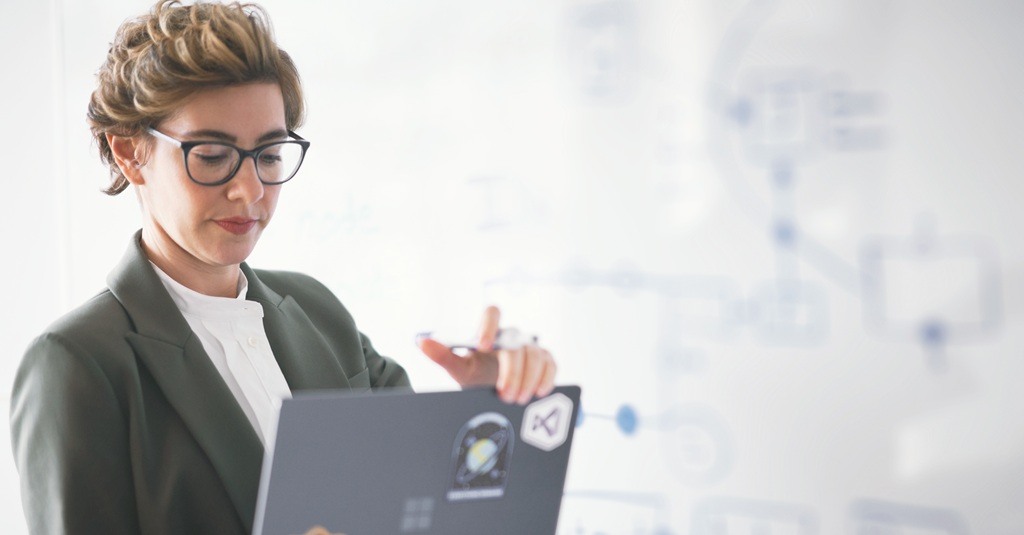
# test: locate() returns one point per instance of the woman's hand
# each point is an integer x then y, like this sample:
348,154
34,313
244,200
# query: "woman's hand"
320,530
518,373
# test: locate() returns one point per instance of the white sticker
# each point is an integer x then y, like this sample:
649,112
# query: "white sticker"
546,422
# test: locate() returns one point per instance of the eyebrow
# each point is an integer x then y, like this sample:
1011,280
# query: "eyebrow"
224,136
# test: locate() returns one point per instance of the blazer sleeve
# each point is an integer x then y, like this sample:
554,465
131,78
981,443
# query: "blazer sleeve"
69,437
384,372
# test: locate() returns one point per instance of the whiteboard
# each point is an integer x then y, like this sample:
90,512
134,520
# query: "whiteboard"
774,241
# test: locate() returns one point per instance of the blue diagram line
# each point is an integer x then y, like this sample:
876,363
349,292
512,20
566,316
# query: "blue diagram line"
738,37
839,271
626,419
729,110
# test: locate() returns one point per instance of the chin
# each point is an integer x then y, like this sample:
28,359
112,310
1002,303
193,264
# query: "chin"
233,253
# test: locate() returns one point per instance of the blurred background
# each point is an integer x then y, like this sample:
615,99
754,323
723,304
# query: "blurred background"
772,240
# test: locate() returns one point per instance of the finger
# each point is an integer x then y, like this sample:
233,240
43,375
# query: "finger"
439,353
489,328
533,371
547,381
510,373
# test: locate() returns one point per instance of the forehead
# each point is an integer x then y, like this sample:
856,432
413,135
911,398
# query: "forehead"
241,110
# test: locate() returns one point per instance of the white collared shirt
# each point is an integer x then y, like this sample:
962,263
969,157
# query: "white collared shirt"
231,331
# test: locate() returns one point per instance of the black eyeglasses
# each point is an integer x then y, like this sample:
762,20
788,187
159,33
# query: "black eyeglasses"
212,163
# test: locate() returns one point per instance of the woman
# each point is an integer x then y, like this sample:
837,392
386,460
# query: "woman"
148,408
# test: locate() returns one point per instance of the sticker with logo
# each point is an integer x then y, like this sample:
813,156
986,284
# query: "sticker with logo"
481,458
546,422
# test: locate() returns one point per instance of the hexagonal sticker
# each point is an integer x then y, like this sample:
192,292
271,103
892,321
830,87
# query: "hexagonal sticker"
546,422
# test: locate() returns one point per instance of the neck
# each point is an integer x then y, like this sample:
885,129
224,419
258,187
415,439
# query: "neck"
185,269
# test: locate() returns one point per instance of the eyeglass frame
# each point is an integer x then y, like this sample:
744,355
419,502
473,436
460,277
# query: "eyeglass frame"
187,146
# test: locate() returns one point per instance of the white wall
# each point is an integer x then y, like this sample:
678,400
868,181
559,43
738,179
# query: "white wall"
775,242
30,220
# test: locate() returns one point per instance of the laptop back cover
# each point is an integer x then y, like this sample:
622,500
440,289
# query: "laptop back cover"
442,462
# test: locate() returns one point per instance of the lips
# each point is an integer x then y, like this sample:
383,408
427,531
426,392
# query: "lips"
237,225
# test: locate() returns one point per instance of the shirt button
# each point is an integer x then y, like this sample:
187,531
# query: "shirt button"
253,341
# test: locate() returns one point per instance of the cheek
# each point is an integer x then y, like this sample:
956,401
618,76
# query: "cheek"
183,202
270,197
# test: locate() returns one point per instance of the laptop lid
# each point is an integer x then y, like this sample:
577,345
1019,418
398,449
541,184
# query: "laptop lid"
429,463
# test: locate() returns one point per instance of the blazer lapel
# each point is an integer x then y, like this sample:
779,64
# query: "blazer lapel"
165,345
307,361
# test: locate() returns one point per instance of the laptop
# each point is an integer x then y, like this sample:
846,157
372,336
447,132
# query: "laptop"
430,463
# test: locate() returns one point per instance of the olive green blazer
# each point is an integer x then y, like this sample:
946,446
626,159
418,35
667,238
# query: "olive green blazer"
121,424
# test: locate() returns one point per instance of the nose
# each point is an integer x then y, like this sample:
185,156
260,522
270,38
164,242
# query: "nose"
245,185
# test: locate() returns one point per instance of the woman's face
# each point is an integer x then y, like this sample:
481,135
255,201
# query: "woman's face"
188,226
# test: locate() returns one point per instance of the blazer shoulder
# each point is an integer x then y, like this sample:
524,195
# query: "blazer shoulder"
92,337
96,331
309,292
290,282
95,323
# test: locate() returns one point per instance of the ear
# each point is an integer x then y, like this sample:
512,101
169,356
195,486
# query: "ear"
127,154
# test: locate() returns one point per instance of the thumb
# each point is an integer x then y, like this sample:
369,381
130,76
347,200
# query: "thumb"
443,356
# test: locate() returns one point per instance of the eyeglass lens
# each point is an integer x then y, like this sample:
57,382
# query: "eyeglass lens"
211,163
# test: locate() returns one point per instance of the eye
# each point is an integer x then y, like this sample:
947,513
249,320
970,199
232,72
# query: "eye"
211,155
271,156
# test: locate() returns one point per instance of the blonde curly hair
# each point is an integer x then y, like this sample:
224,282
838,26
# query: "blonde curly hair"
160,59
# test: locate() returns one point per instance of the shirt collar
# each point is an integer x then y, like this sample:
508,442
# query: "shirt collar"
194,303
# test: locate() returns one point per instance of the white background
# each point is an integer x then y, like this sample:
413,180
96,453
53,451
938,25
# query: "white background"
775,242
